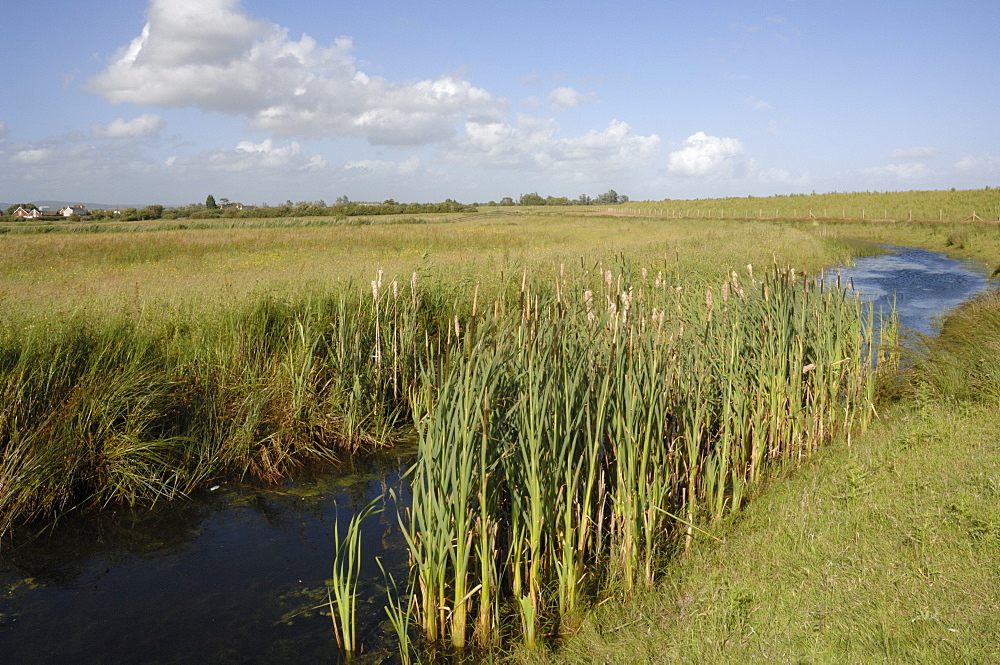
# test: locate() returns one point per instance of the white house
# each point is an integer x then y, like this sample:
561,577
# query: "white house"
69,211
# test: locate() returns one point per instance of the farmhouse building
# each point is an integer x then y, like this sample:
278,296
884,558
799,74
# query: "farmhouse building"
27,214
69,211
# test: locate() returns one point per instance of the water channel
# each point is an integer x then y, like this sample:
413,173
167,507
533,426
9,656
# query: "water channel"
920,284
236,574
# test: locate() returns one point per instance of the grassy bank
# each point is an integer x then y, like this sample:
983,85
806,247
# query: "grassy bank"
885,552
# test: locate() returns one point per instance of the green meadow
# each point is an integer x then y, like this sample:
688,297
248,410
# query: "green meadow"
642,434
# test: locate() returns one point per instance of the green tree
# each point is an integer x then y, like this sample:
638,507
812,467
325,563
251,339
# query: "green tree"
210,203
506,201
26,206
607,198
532,199
151,212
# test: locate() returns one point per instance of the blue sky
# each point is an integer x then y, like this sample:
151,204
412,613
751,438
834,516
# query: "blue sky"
166,101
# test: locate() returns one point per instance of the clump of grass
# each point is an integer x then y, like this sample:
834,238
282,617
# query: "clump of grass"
963,361
882,550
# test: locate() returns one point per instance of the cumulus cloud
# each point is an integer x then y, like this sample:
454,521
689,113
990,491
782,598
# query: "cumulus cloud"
704,156
146,124
266,156
918,152
567,98
209,54
534,144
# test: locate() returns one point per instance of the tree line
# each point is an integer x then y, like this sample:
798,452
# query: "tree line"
609,197
343,207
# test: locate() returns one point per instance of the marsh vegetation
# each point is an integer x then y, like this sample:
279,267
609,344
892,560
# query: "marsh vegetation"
589,394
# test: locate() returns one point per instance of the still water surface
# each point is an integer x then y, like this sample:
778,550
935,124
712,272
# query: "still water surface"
232,576
922,285
235,575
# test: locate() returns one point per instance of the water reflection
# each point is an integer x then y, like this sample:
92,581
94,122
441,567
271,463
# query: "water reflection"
234,576
920,284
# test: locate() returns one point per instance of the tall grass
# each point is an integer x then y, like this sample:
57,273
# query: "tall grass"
573,438
128,410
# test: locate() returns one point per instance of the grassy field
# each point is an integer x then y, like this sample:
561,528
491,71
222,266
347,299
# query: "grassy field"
48,273
691,359
937,206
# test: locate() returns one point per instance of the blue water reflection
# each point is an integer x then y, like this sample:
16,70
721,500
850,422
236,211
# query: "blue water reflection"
922,285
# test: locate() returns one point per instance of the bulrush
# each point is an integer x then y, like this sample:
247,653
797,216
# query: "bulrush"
555,454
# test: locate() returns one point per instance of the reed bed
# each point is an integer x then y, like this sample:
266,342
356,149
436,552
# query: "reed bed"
98,411
572,438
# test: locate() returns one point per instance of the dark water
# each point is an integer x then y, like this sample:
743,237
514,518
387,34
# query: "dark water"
232,576
920,284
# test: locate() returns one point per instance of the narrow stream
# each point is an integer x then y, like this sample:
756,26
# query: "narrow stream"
236,574
921,285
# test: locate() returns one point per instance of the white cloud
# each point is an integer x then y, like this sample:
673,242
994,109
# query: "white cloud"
910,171
759,104
4,132
381,167
265,156
567,98
208,54
535,144
918,152
143,125
704,155
986,163
33,155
